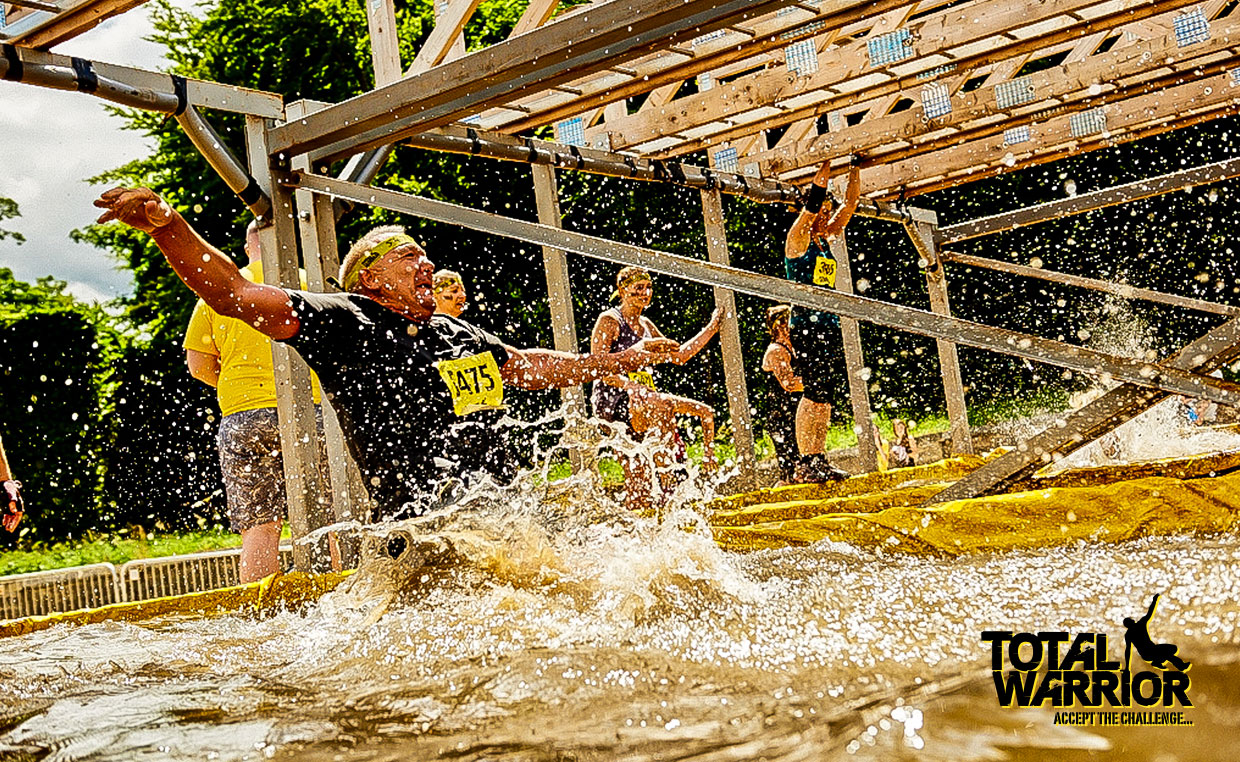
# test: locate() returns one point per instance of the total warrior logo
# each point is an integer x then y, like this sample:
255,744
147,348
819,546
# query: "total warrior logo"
1037,669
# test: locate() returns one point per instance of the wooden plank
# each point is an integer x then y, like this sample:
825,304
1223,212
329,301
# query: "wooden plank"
1130,119
294,405
82,18
854,363
954,28
1070,87
316,226
384,43
199,93
448,28
730,344
859,90
1094,200
537,13
925,240
1082,426
641,75
605,36
1121,290
920,322
559,293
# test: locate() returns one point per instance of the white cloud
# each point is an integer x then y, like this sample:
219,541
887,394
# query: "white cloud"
55,140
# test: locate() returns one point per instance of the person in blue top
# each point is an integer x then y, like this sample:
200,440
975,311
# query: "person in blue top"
816,340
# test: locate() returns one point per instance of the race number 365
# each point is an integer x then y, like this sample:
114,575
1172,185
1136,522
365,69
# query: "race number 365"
824,272
474,383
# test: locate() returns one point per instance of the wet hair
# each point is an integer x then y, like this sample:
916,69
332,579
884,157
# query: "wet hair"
627,277
444,278
363,247
776,316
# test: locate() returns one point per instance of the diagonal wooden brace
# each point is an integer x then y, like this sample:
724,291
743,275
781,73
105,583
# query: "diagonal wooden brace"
1080,427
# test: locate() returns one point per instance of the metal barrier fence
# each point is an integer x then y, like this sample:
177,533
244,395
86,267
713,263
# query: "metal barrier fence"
87,587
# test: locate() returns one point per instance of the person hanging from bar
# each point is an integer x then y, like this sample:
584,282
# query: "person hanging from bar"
450,296
816,337
235,360
634,400
783,392
419,396
12,507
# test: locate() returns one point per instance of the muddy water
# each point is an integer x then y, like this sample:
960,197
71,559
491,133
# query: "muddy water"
551,638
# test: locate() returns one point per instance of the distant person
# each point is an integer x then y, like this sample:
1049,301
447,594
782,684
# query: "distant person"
785,394
419,396
816,335
13,507
235,359
1137,635
634,400
450,296
902,453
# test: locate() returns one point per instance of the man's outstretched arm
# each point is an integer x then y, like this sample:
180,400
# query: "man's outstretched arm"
205,269
548,369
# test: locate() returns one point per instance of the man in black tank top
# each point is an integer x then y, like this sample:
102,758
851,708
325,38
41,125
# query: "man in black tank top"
419,397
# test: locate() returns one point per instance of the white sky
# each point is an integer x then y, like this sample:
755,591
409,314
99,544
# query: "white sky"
52,142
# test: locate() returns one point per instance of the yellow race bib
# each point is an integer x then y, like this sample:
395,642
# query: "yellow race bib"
644,378
824,271
474,383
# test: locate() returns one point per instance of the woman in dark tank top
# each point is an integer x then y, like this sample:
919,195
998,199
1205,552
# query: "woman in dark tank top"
634,400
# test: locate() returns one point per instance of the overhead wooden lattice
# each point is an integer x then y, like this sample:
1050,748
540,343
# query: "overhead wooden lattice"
929,93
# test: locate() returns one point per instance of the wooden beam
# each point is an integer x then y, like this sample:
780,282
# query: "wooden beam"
824,99
384,43
1126,120
559,293
1085,84
730,344
70,24
294,406
854,364
447,31
1082,426
1094,200
925,241
774,33
915,321
537,13
1121,290
602,37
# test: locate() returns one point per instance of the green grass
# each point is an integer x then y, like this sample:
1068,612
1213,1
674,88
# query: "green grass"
119,549
112,549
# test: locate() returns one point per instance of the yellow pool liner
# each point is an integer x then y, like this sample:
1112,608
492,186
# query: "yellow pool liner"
882,510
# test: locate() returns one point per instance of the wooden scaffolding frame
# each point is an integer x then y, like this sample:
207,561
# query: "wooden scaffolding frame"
929,94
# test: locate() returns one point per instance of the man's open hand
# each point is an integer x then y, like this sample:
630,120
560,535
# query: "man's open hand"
647,353
139,208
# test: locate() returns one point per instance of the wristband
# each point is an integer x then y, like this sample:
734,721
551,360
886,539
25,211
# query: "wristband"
813,199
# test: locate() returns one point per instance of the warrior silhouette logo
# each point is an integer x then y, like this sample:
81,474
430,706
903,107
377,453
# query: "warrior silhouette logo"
1137,636
1065,669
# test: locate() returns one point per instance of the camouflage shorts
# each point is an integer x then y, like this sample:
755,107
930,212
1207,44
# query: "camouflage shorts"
249,444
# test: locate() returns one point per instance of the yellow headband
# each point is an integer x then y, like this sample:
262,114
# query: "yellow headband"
442,284
372,256
628,280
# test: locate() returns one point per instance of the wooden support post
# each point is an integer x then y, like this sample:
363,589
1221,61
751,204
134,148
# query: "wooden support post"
317,227
854,361
384,44
294,406
925,240
730,344
559,297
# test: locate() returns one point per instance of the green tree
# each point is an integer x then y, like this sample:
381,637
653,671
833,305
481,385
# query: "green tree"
8,209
